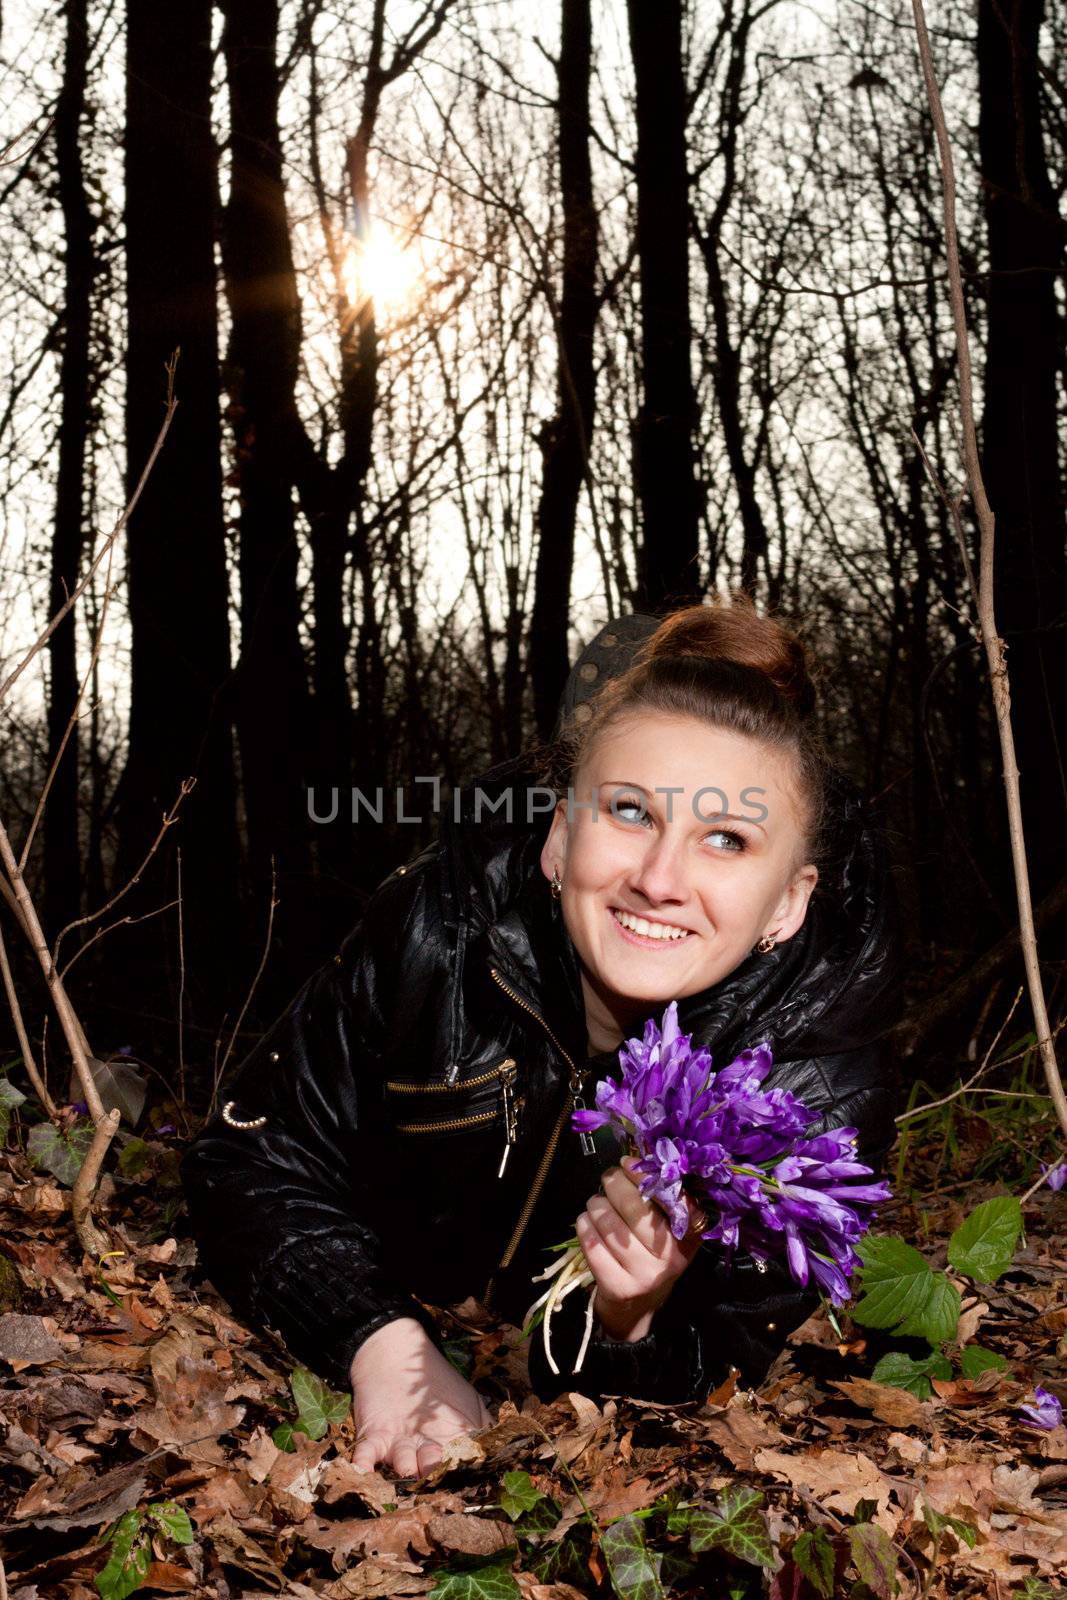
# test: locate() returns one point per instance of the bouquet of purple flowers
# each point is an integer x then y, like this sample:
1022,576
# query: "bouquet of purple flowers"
735,1150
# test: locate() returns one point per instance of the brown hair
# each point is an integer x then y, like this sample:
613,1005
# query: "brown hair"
726,665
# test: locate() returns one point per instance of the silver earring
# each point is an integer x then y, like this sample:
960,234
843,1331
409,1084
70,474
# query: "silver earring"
556,886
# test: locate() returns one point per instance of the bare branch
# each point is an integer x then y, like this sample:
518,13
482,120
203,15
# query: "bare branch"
984,599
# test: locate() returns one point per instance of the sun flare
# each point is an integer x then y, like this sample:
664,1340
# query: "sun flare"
385,268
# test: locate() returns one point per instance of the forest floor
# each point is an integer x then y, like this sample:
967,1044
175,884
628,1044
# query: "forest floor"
138,1423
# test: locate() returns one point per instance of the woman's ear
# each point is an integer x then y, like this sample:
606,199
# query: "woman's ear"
792,908
554,849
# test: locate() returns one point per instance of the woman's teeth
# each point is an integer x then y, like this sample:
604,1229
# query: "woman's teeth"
649,930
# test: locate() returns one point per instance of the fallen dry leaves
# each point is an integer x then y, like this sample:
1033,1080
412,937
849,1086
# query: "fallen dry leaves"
135,1385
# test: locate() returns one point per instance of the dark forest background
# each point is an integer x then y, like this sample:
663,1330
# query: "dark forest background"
485,324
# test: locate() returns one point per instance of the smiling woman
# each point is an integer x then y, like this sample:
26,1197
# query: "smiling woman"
642,869
403,1134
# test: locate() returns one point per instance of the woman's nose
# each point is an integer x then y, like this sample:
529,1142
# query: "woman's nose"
660,875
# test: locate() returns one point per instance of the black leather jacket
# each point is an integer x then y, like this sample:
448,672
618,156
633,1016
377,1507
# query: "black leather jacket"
448,1030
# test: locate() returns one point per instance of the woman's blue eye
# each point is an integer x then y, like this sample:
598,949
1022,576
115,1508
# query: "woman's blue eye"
629,802
728,833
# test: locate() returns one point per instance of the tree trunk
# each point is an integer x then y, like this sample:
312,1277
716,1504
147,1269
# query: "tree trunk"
274,708
566,438
179,722
62,860
1026,252
664,454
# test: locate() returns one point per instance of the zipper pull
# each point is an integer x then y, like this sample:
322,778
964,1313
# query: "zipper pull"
511,1116
578,1104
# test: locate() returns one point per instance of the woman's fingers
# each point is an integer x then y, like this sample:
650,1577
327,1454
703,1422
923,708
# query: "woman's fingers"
370,1449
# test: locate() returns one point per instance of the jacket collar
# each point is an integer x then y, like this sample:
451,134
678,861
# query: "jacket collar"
832,987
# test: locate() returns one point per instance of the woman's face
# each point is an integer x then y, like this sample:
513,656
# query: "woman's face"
663,904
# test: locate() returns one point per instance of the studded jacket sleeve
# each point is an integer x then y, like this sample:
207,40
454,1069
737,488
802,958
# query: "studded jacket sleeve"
278,1204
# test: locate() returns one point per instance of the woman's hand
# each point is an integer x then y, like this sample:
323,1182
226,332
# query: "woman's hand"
632,1254
409,1400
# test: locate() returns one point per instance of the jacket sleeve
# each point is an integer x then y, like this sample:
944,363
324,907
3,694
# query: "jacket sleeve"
721,1316
279,1209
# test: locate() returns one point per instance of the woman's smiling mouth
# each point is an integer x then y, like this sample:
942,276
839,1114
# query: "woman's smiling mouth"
647,934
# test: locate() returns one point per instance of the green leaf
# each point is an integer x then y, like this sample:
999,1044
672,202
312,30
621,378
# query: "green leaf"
974,1358
564,1560
283,1434
736,1524
940,1316
10,1100
519,1494
874,1558
634,1569
60,1154
136,1158
1037,1589
488,1580
531,1511
814,1556
894,1280
459,1352
129,1561
938,1523
901,1293
317,1404
172,1519
983,1245
901,1371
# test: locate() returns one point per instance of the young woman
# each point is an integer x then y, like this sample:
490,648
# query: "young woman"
402,1134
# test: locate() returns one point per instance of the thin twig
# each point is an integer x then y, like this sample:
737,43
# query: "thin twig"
935,1105
1039,1183
984,599
29,1061
181,986
255,981
105,549
169,819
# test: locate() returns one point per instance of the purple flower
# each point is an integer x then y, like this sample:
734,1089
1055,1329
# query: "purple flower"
1045,1413
1055,1177
741,1152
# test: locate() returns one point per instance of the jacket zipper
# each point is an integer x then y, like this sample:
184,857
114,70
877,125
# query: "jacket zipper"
453,1124
506,1070
573,1098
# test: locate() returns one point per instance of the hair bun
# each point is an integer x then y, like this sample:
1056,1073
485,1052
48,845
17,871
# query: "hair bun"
735,631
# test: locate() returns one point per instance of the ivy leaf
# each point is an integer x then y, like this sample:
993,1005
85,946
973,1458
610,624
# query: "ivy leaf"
519,1494
900,1292
564,1560
136,1158
10,1100
129,1561
317,1404
172,1519
975,1358
937,1523
283,1434
814,1556
874,1558
984,1243
634,1569
901,1371
486,1580
60,1154
736,1524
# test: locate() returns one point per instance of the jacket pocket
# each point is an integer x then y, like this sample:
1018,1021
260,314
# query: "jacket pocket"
492,1099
